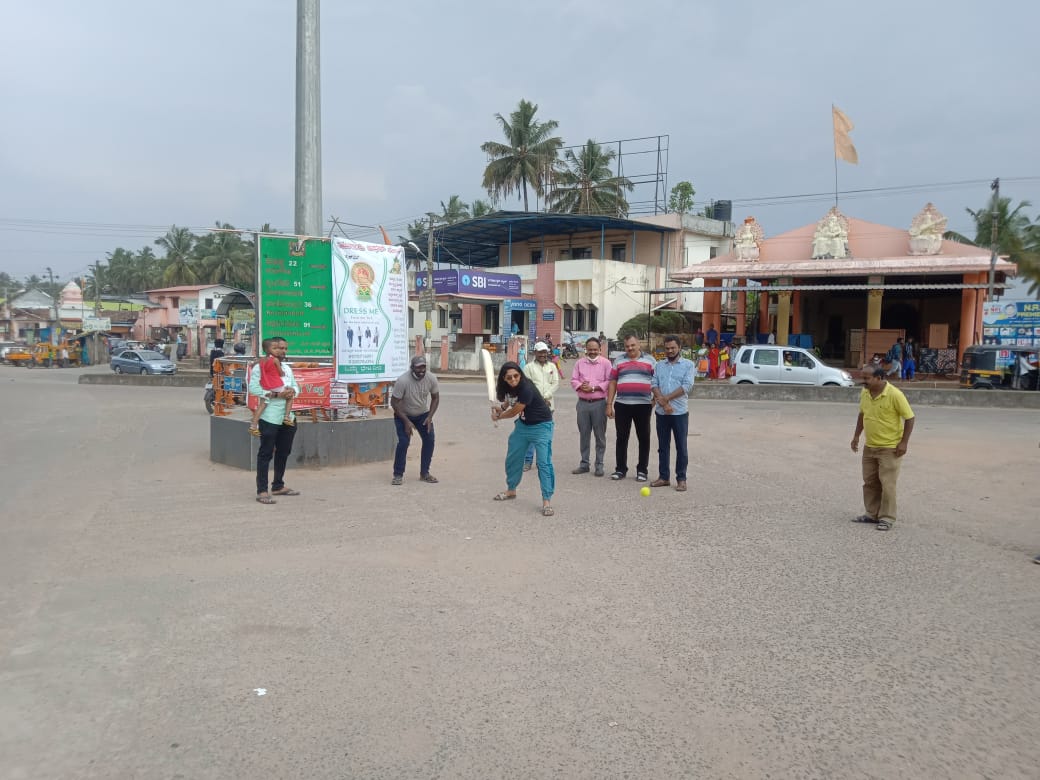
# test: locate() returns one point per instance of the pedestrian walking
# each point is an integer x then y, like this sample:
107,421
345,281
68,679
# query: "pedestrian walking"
888,420
671,385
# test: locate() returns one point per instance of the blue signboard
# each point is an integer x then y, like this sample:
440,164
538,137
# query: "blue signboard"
521,304
487,283
444,281
548,315
471,282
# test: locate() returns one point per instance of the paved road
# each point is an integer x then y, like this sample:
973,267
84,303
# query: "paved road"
744,629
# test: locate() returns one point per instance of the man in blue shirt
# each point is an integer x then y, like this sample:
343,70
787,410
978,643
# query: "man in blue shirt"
671,385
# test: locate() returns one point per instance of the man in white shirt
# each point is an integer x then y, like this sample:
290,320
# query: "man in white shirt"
546,378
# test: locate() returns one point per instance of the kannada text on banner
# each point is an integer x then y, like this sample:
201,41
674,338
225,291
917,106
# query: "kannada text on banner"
296,294
371,311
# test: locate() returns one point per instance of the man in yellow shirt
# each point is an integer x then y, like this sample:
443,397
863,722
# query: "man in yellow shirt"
888,420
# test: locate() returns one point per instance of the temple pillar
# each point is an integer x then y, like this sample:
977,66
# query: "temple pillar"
712,316
742,310
969,307
763,311
796,312
874,299
783,316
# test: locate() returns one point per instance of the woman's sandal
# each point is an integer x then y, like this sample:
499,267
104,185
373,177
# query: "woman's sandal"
505,496
548,511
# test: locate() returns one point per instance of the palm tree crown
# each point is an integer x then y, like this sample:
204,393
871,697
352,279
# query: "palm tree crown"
530,149
588,185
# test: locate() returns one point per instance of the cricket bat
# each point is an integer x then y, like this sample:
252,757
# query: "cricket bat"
489,377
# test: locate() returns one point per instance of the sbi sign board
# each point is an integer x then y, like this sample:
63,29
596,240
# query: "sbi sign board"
470,282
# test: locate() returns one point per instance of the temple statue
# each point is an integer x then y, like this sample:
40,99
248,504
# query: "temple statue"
746,241
926,231
831,239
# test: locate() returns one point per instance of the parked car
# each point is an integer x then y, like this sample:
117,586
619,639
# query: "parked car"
142,361
768,364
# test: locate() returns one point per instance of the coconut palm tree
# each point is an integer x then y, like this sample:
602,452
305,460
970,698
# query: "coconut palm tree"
1017,238
587,185
178,243
224,258
454,211
480,208
530,149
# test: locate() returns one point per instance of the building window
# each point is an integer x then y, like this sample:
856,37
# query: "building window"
411,317
713,252
568,318
617,252
579,319
536,257
175,301
209,304
593,318
491,318
442,318
581,253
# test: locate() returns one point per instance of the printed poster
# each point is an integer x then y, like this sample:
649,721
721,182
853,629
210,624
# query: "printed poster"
370,297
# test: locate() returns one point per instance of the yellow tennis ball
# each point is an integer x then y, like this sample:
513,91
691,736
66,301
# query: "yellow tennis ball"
644,491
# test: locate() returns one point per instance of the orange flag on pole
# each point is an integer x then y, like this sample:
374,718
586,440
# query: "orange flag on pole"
843,148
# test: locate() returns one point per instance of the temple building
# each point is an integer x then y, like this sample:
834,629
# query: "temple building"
846,285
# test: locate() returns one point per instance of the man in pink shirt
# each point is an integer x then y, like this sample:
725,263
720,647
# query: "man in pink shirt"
590,380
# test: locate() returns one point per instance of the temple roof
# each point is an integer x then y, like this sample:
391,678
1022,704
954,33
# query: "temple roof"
875,250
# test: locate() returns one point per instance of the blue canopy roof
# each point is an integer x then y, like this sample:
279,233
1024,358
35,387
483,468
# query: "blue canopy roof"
476,241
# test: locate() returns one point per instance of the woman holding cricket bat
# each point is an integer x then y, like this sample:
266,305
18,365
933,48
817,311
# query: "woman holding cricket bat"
519,398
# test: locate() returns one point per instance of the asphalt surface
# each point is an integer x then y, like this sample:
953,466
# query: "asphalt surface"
743,629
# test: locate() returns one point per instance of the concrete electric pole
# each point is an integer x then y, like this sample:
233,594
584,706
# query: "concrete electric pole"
994,215
308,119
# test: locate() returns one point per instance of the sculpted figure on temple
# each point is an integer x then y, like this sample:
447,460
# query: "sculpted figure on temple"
747,240
831,239
926,231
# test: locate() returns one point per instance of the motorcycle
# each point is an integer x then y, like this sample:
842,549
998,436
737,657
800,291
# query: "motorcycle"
568,351
209,396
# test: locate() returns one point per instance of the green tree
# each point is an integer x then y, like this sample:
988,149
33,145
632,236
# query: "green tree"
1017,237
178,266
530,149
661,322
455,210
224,258
481,208
587,185
681,199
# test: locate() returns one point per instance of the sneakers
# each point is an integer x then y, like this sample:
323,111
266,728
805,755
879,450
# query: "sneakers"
617,475
599,471
397,480
581,470
640,476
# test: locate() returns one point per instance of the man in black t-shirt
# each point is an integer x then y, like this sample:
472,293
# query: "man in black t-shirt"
214,354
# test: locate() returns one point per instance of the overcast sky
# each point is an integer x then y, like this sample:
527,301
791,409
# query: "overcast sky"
122,118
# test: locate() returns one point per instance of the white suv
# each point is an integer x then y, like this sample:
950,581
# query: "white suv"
768,364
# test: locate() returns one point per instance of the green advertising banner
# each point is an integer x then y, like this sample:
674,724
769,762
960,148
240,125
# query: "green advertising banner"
295,284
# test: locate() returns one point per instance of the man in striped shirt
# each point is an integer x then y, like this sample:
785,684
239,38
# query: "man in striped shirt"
630,401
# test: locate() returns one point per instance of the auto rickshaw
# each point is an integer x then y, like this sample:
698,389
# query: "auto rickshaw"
997,366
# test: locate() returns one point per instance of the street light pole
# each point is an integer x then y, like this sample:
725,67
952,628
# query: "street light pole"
993,214
54,308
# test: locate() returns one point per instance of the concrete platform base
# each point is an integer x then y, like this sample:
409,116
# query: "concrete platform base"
341,443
